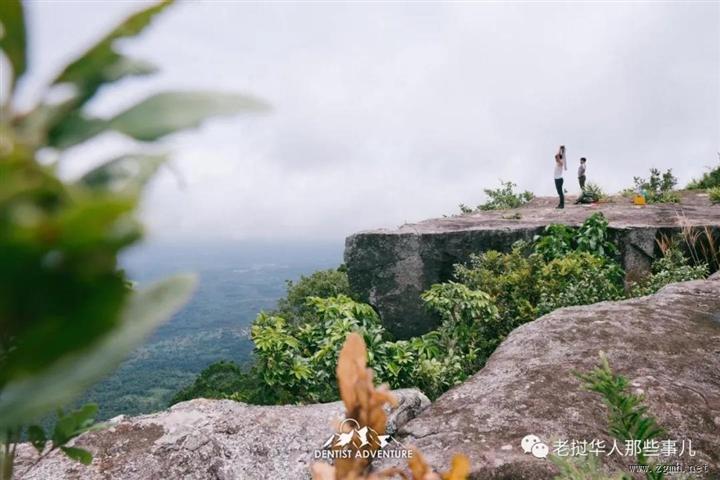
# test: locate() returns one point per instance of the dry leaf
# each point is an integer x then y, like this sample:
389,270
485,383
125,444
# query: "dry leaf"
459,469
364,403
322,471
418,466
352,361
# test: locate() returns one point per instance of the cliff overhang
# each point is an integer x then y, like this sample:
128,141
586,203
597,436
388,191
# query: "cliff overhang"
390,268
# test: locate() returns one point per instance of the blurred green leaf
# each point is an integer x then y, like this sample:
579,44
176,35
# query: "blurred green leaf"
167,112
125,67
79,454
36,436
128,173
99,65
72,424
69,126
12,37
156,116
102,64
74,128
25,399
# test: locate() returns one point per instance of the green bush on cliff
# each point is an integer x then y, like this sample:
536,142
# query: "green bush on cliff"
594,192
672,267
493,294
509,278
295,362
714,194
525,287
564,266
658,187
294,306
710,179
501,198
216,381
591,237
578,278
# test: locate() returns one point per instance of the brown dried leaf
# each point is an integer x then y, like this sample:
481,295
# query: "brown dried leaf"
418,466
322,471
351,363
389,473
459,469
363,402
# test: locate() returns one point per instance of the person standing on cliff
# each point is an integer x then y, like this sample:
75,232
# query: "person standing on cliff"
560,165
581,173
581,180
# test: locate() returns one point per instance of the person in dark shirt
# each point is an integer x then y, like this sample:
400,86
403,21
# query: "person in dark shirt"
581,173
581,181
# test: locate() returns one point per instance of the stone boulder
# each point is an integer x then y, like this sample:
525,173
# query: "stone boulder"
667,345
208,439
390,268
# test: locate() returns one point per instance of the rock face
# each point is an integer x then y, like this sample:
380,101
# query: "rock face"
390,268
208,439
667,345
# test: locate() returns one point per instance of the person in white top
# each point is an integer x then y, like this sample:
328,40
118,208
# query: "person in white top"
560,165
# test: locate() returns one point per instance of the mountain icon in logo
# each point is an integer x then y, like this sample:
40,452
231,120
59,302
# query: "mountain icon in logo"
351,435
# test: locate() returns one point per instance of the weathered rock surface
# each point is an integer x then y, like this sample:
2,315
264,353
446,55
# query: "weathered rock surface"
209,439
389,268
667,345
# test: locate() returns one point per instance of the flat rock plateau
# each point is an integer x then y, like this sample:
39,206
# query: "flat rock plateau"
390,268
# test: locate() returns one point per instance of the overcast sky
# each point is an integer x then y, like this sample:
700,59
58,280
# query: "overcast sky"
388,113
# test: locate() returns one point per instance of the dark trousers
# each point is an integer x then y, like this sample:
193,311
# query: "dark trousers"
581,179
559,188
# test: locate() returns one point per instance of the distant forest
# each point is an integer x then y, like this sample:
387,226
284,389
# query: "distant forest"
236,282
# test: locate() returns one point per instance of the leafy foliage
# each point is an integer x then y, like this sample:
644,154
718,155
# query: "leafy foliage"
562,267
218,380
295,362
578,278
714,194
582,468
501,198
12,40
67,313
511,279
672,267
557,240
493,294
627,416
592,237
68,426
593,192
295,307
469,332
709,180
658,188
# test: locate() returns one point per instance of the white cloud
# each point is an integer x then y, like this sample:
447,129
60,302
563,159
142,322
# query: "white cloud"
385,114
